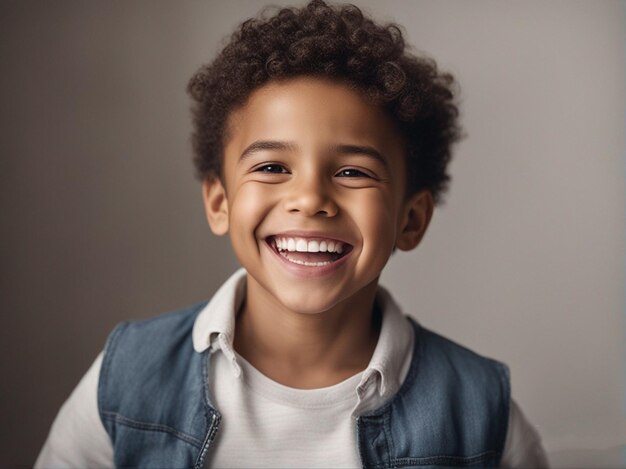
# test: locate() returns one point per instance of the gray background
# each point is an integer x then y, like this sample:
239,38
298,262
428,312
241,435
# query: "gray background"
102,220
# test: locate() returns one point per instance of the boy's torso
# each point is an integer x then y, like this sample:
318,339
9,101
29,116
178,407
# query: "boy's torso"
452,408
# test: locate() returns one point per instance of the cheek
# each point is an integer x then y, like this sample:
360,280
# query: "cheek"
248,199
248,208
377,223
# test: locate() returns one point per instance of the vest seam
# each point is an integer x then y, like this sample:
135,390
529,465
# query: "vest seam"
209,410
215,421
359,424
109,351
505,380
439,459
121,420
388,439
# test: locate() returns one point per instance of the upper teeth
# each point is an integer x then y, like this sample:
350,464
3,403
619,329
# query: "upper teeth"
304,245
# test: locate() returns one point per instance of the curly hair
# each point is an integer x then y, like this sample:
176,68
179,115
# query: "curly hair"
340,44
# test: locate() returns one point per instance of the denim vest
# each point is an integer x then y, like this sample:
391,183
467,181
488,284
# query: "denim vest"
154,401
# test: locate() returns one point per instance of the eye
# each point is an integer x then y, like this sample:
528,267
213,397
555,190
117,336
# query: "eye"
352,173
272,168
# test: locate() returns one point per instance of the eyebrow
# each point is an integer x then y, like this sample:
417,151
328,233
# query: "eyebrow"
261,145
364,150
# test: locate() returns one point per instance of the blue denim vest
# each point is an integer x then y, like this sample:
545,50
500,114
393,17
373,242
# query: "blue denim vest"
154,401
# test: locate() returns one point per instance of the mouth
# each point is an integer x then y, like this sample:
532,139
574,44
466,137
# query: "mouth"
309,252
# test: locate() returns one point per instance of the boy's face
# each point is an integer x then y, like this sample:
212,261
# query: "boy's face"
313,194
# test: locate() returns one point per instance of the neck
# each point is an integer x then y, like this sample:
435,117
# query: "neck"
307,350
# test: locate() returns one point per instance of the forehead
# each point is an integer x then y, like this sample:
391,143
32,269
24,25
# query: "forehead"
312,112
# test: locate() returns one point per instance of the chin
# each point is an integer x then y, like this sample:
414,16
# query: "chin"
301,306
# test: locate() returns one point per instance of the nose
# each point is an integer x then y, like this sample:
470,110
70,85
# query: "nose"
310,195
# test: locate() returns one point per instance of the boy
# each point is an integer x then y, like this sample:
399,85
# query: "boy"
322,147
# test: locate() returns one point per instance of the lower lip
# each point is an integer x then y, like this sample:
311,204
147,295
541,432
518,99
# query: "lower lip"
309,270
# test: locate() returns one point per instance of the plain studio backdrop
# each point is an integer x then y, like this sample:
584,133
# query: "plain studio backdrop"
102,219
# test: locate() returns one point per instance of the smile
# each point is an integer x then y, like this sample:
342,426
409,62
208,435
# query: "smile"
309,252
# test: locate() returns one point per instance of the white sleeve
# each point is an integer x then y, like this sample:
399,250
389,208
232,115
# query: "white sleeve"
523,446
77,437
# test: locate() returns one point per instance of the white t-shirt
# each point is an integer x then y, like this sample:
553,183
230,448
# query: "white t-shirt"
266,424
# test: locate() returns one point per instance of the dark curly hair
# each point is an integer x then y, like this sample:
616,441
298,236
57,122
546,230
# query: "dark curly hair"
340,44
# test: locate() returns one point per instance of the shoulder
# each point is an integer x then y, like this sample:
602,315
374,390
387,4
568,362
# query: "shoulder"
147,336
170,322
435,353
153,350
152,380
453,403
445,376
153,335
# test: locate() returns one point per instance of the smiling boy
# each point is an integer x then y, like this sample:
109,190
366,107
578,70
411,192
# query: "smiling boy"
322,146
313,198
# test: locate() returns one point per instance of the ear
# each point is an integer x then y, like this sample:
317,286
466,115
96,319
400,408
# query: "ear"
215,205
416,215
